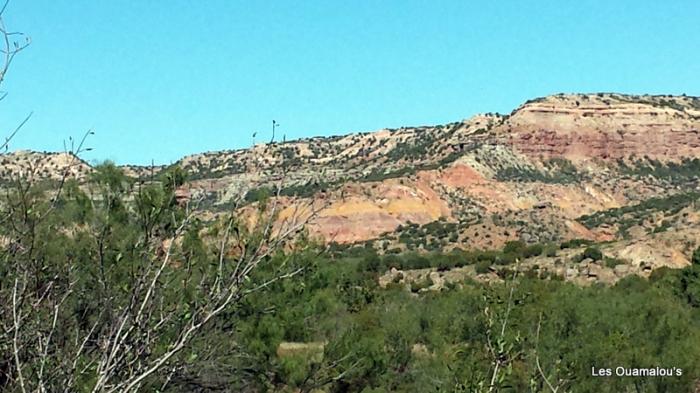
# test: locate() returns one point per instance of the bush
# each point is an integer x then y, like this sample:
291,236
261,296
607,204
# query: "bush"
505,273
612,262
514,247
482,267
660,273
417,285
573,243
444,265
392,261
258,194
416,261
371,263
696,257
486,256
533,251
506,259
551,251
593,253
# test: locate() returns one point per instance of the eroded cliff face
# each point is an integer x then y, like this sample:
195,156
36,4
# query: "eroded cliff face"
530,175
488,205
364,211
581,127
460,194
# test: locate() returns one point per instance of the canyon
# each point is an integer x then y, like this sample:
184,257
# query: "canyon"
561,167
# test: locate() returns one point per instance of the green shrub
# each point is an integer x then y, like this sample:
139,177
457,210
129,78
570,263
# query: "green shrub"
416,261
628,216
687,169
417,285
573,243
593,253
559,171
486,256
612,262
514,247
444,265
660,273
482,267
532,273
506,259
533,251
371,263
392,261
505,273
258,194
551,251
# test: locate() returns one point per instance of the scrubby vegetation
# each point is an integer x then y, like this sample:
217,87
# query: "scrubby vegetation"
574,243
558,171
592,253
397,340
105,285
301,190
330,326
660,101
118,284
508,255
677,172
627,216
432,236
215,168
381,174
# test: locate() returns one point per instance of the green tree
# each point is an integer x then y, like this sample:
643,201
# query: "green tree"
129,268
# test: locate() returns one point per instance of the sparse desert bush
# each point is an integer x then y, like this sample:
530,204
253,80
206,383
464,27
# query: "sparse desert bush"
593,253
574,243
423,283
482,267
612,262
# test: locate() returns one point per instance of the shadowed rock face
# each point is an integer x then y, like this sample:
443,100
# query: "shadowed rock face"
480,182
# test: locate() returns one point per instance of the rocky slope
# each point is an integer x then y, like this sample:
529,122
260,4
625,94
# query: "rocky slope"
606,126
34,165
534,175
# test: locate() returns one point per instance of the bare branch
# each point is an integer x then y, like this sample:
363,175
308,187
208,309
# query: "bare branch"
16,316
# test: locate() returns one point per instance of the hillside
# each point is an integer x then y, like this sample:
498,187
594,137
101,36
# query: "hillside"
538,175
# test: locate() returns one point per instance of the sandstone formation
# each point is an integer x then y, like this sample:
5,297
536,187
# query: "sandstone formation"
556,168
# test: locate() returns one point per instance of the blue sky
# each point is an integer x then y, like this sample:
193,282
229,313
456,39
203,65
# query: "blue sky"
157,80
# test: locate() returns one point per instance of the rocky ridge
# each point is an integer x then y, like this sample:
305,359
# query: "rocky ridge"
478,183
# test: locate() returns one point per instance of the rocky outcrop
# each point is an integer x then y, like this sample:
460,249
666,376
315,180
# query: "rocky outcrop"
364,212
609,127
489,179
38,166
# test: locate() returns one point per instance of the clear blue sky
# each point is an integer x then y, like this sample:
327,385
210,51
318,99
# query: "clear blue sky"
162,79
